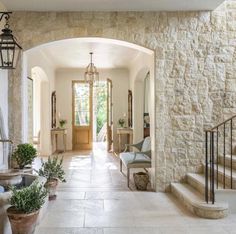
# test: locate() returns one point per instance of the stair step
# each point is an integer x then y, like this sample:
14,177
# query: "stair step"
194,201
197,181
227,175
228,160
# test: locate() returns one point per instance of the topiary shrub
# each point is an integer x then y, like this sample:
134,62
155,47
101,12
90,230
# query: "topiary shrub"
28,199
24,155
52,169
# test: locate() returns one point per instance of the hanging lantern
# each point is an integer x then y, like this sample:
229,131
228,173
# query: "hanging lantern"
91,74
9,47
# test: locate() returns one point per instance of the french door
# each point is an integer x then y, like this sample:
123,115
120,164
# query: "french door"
109,116
82,119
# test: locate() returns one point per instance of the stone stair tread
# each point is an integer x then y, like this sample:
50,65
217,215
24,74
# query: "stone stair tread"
200,178
194,197
190,193
228,156
227,171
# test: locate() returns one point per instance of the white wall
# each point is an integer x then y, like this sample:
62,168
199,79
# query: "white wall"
3,97
46,73
138,71
120,80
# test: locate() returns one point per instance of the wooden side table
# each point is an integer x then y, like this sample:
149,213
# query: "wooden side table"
125,131
54,135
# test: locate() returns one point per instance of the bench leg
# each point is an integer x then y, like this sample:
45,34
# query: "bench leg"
120,166
128,175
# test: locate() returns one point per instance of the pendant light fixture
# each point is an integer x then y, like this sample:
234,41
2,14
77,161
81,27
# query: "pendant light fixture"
91,74
9,47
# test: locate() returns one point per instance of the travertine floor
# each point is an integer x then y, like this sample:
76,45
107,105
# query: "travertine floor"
95,199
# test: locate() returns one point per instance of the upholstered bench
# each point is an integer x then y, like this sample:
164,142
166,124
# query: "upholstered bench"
140,159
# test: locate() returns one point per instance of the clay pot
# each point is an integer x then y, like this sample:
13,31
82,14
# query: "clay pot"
22,223
141,180
51,185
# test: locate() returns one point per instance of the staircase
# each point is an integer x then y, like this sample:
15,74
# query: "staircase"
212,194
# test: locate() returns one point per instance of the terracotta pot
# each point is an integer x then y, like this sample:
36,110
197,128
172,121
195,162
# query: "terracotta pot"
141,180
22,223
51,185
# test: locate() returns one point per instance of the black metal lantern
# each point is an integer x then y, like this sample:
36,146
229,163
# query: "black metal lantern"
9,48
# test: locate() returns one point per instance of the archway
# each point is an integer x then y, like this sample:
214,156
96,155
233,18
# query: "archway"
143,50
41,110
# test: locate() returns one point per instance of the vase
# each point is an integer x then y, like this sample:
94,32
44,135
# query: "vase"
141,180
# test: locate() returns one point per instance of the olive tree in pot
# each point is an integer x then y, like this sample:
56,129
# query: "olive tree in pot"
24,155
25,206
52,170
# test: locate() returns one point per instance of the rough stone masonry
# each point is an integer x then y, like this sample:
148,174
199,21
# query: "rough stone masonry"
195,72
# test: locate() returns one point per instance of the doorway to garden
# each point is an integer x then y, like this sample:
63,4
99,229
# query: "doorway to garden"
92,115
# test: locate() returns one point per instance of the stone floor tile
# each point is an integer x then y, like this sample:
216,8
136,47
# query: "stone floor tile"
63,219
132,231
41,230
95,200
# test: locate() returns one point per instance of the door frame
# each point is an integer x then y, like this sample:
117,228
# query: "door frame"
109,112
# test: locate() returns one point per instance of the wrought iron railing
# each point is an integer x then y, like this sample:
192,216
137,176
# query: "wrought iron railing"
218,142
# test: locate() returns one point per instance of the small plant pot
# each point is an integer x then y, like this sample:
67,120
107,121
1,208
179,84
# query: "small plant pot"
51,185
141,180
22,223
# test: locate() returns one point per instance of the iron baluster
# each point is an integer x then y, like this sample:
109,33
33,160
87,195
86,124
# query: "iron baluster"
231,154
217,157
212,169
206,168
224,158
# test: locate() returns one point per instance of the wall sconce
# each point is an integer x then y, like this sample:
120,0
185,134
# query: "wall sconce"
9,48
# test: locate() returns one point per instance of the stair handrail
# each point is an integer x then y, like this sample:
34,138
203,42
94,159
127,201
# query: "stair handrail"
211,163
220,124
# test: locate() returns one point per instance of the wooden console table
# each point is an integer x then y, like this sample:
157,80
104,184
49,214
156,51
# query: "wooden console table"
125,131
54,135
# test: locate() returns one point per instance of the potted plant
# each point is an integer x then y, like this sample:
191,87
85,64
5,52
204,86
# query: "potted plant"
52,170
24,155
25,206
62,123
121,122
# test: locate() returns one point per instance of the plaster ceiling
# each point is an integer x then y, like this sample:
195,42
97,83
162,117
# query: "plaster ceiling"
74,53
111,5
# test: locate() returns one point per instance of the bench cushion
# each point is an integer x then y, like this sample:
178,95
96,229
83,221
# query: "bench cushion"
127,158
146,144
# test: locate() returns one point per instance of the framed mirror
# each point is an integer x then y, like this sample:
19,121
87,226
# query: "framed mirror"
54,110
130,109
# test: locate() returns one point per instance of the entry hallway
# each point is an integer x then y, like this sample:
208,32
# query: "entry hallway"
95,200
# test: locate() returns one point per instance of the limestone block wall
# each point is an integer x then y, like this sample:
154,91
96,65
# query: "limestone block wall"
195,71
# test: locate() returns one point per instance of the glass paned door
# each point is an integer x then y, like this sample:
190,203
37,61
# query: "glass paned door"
109,116
82,115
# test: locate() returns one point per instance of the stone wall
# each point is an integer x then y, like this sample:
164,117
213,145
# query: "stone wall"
195,71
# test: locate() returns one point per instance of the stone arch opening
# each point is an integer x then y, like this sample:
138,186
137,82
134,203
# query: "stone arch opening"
143,68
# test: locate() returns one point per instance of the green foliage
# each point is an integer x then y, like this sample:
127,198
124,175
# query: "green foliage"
62,122
52,169
28,199
121,122
24,154
101,106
